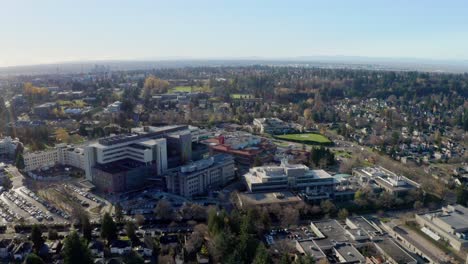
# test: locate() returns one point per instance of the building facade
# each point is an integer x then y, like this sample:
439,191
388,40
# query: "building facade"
317,184
146,152
61,154
201,176
449,224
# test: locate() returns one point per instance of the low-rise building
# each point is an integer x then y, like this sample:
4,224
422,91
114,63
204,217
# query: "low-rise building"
262,199
245,148
201,176
61,154
316,184
389,181
44,110
394,253
274,126
449,224
310,248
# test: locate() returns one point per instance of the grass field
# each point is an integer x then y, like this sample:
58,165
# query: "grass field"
188,89
306,138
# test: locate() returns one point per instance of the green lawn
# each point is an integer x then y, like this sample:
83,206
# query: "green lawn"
306,138
188,89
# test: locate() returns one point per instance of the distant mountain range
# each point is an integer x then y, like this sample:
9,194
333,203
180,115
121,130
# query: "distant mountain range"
398,64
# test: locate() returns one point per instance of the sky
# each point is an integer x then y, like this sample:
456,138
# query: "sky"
51,31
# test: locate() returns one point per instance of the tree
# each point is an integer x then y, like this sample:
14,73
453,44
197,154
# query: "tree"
418,205
307,259
153,86
33,259
257,162
118,213
462,195
52,234
130,231
19,163
215,222
139,219
108,228
133,258
289,216
7,183
36,238
261,255
343,213
328,207
86,228
164,210
61,135
75,250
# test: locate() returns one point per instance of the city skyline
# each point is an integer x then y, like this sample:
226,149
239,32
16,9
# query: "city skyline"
62,31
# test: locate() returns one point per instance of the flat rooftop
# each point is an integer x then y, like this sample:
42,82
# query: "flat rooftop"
363,223
141,133
311,248
332,230
456,221
390,248
349,253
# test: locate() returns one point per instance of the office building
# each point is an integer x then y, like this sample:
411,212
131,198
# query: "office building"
389,181
316,184
201,176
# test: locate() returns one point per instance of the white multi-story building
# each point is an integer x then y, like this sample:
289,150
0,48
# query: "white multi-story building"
389,181
274,126
290,176
145,145
201,176
114,107
61,154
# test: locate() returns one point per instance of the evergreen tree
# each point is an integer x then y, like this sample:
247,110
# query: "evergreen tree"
19,163
462,195
108,228
86,228
75,250
33,259
261,255
36,238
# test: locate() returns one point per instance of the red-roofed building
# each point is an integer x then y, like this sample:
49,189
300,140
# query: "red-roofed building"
244,147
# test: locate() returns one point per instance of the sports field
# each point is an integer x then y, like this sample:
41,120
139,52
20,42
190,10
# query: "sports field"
187,89
306,138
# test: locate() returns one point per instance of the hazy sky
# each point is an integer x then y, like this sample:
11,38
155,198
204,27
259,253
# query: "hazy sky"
42,31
